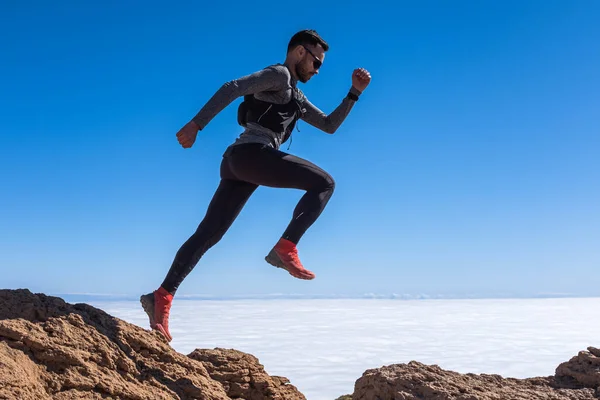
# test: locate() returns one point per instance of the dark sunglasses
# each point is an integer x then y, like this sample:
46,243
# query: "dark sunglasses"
316,63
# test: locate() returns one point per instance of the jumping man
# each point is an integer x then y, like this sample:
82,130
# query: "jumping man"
272,105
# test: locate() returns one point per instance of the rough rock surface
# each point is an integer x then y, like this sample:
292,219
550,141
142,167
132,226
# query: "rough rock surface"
244,377
50,349
581,371
414,381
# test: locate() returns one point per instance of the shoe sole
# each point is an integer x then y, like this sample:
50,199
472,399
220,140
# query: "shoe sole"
147,301
273,259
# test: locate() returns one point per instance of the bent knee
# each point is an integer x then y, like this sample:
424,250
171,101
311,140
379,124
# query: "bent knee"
327,184
320,181
331,183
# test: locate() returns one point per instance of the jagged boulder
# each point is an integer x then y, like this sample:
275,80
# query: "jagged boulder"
244,377
415,380
50,349
581,371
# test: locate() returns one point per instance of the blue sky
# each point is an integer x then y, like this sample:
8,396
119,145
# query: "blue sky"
470,165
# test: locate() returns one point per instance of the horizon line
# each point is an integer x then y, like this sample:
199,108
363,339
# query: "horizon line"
337,296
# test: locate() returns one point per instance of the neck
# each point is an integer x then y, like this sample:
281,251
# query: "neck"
289,64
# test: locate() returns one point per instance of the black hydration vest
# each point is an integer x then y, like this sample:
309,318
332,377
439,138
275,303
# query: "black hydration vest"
280,118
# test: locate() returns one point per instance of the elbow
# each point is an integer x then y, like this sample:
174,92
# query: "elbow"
330,127
230,89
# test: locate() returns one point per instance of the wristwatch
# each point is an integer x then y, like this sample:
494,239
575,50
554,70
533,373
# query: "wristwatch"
352,96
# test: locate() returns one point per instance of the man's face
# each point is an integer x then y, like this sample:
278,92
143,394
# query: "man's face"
310,63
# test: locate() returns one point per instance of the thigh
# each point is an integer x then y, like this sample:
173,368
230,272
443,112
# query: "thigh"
266,166
227,202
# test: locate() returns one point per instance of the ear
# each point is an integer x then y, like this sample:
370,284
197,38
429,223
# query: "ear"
299,51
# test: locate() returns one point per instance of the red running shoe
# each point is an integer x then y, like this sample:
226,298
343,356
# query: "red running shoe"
158,305
285,255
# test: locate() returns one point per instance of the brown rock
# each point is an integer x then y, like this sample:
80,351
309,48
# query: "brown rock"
50,349
414,381
581,371
244,377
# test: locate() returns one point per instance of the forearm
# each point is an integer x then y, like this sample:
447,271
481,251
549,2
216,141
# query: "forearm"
330,123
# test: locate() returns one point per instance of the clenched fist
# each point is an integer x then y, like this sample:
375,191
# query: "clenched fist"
187,135
361,79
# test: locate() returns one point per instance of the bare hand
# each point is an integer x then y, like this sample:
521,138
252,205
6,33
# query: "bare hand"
361,79
187,135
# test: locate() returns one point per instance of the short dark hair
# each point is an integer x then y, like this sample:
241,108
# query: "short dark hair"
307,36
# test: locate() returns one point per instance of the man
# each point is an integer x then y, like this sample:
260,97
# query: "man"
272,105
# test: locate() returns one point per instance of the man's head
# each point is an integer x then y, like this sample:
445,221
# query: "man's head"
305,54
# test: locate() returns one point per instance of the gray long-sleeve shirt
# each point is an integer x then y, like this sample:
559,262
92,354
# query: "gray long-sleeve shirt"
273,84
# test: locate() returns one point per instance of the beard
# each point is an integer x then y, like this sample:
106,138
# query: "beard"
301,72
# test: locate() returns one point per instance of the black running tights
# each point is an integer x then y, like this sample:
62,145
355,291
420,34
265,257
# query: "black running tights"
245,167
